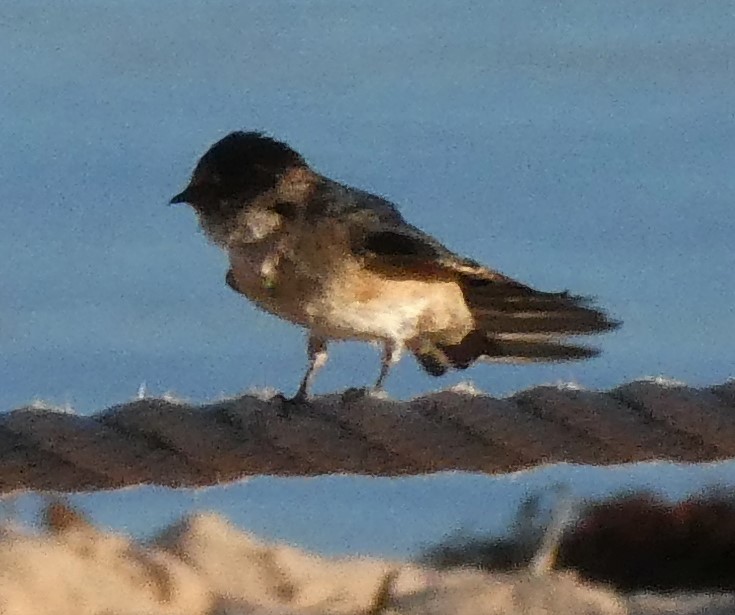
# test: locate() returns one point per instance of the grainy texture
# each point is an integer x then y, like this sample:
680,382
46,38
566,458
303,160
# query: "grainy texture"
205,566
154,441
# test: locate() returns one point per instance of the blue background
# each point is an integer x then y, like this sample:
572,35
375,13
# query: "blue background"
587,146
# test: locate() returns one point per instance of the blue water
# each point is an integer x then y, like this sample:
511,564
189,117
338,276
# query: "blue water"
588,146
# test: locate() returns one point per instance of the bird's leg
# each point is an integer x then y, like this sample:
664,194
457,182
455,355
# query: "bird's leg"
392,352
317,351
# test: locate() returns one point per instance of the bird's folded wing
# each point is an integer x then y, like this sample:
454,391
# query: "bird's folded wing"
498,302
397,249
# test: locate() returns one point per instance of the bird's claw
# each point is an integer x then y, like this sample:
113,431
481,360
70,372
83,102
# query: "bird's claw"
357,393
289,406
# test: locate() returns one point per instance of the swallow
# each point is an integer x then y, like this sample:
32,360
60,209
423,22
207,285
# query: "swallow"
345,265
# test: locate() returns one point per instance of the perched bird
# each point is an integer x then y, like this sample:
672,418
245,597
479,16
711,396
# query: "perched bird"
345,265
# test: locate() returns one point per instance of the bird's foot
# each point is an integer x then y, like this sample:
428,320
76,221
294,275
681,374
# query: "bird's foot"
354,394
291,406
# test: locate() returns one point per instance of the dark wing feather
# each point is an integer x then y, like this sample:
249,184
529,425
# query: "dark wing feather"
402,254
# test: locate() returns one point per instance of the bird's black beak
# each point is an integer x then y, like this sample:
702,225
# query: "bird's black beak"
181,197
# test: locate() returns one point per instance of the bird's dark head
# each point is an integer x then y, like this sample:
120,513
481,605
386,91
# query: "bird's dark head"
235,170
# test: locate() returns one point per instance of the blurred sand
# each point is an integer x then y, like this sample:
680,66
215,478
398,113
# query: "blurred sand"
205,566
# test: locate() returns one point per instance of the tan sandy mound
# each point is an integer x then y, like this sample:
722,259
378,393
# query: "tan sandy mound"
240,567
205,566
81,571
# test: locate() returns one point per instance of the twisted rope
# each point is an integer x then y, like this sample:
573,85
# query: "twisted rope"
154,441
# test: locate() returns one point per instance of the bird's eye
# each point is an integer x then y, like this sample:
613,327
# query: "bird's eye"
205,176
286,209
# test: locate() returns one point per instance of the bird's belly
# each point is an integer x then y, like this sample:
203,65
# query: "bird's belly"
338,299
368,307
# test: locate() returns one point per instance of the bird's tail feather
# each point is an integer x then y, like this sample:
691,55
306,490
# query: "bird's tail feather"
480,345
517,324
512,348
